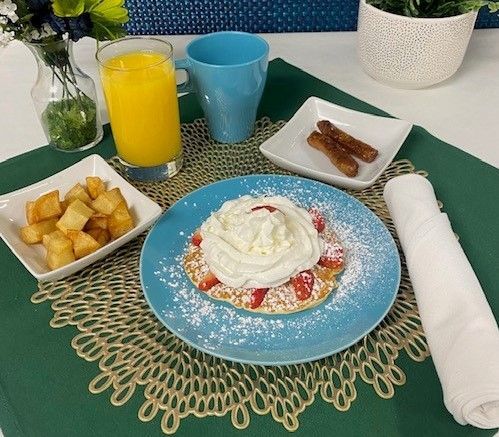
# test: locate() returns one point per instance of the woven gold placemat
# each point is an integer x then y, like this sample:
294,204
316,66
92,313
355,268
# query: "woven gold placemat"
135,352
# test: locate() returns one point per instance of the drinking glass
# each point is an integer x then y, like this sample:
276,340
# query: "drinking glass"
138,78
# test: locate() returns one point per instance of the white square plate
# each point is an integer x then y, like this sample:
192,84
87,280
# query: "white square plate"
12,215
289,149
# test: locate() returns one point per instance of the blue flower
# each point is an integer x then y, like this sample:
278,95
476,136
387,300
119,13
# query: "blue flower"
58,24
80,26
38,5
41,13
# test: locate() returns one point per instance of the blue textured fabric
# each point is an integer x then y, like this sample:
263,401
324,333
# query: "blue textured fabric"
487,20
168,17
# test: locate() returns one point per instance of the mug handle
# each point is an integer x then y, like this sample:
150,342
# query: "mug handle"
185,87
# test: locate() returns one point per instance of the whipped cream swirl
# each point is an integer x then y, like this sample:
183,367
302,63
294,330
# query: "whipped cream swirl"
250,247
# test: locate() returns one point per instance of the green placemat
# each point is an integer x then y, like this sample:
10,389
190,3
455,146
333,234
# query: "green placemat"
44,386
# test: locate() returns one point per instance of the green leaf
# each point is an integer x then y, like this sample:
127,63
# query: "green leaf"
433,8
71,122
90,4
103,31
68,8
108,17
109,10
413,7
493,6
22,8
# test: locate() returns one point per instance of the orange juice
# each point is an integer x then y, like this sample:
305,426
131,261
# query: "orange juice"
141,97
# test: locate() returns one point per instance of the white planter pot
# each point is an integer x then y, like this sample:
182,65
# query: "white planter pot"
407,52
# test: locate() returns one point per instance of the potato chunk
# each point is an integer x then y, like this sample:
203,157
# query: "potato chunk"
100,235
64,205
46,207
83,243
106,202
75,217
120,221
95,186
97,221
78,192
86,219
32,234
30,213
59,259
57,241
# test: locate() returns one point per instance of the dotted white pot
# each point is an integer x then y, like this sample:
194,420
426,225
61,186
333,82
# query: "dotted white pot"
407,52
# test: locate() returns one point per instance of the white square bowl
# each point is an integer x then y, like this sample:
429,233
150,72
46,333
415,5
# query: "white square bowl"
12,215
289,149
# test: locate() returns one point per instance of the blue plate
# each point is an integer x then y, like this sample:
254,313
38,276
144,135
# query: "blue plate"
367,287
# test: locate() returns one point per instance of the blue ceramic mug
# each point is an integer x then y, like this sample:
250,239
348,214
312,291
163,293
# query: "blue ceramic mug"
227,71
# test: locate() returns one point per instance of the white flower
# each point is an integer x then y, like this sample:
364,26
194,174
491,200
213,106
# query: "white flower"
5,37
8,9
44,32
3,20
34,34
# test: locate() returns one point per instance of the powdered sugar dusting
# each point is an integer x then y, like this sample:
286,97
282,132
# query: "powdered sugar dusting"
365,284
333,251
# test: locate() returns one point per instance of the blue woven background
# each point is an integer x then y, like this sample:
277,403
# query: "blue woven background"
203,16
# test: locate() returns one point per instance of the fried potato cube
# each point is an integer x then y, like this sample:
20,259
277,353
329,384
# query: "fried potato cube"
78,192
100,235
64,205
30,213
59,259
57,242
106,202
97,221
46,238
120,221
32,234
83,243
47,207
75,217
95,186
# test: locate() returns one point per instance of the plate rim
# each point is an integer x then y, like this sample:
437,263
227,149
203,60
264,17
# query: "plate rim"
344,180
264,362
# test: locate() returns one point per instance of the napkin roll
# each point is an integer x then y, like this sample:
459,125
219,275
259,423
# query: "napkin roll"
461,330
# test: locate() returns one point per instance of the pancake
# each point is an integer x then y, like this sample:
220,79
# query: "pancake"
278,300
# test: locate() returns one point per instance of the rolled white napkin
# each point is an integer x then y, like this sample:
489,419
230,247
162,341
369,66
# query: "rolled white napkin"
459,325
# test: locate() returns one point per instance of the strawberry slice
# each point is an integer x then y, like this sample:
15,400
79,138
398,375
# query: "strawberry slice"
257,297
196,238
332,256
267,207
331,263
303,283
317,219
210,280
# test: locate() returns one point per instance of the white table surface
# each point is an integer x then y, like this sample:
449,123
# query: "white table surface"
462,111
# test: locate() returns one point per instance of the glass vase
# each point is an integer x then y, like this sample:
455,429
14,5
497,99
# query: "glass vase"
65,98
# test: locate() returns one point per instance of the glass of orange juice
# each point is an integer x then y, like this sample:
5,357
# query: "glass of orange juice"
138,78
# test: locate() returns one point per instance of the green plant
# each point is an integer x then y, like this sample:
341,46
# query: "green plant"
432,8
51,20
47,26
71,122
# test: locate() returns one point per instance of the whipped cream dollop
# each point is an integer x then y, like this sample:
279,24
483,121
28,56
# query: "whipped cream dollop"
248,246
